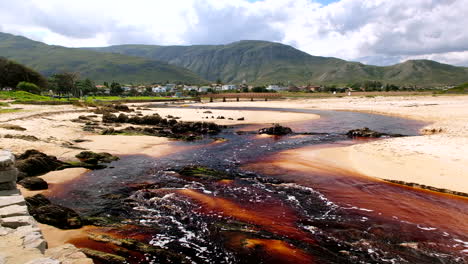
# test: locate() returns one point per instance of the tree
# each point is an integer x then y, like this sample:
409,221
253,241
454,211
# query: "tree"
12,73
65,83
28,87
86,87
116,89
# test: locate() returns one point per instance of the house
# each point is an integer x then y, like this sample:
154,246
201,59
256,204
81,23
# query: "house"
227,87
126,88
100,86
274,87
170,87
159,89
141,89
313,88
204,89
190,88
217,88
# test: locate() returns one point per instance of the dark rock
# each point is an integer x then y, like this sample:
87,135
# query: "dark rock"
276,129
207,112
34,183
364,132
56,215
12,127
22,137
84,117
230,118
220,117
34,163
95,158
240,119
121,108
103,256
109,118
203,173
37,200
51,214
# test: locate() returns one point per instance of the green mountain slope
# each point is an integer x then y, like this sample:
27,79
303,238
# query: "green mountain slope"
263,62
97,66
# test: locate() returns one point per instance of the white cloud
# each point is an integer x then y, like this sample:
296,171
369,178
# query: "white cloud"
377,31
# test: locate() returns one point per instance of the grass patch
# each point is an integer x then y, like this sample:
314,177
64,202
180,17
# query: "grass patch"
4,111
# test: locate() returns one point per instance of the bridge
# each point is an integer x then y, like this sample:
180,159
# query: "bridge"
265,96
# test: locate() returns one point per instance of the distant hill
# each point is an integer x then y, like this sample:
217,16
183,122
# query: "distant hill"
97,66
262,62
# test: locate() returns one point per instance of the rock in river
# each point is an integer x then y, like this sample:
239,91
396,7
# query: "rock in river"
276,129
52,214
34,183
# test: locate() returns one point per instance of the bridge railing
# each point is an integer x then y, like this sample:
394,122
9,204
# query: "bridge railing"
265,96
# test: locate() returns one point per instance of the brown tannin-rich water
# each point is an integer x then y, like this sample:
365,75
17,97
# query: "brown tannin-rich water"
260,212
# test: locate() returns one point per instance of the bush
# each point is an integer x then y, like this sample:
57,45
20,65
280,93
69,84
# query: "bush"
28,87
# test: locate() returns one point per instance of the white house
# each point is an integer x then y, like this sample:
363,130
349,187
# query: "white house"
126,88
204,89
159,89
227,87
274,87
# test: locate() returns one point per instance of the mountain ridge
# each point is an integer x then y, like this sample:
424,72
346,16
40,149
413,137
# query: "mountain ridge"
255,61
264,62
50,59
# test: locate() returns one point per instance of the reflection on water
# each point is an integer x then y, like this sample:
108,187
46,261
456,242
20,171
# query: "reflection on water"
264,212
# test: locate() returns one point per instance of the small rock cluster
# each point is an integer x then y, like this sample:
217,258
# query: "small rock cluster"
276,130
368,133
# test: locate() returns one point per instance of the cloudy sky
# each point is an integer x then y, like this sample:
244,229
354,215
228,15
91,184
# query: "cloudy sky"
378,32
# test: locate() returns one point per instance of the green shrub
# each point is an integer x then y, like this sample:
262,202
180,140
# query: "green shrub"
28,87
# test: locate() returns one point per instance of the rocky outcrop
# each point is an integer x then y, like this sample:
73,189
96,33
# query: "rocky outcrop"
368,133
161,127
95,158
33,163
104,257
52,214
34,183
276,130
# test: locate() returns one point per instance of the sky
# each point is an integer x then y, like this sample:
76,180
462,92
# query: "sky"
379,32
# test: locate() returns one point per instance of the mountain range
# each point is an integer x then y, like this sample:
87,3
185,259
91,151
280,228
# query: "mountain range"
256,62
98,66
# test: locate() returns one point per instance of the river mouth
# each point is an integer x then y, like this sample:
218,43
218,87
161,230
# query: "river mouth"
258,212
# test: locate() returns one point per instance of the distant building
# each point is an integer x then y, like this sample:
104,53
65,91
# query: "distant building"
227,87
170,87
159,89
126,88
313,88
274,87
204,89
190,88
